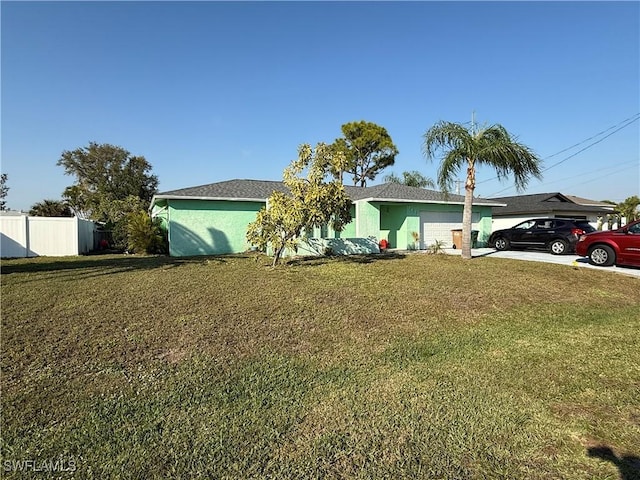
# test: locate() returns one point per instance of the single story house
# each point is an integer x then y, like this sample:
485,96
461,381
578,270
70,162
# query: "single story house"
554,205
212,219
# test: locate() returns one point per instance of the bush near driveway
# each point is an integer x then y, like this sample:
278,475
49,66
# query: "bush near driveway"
360,367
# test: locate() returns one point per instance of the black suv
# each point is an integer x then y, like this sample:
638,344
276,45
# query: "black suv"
558,235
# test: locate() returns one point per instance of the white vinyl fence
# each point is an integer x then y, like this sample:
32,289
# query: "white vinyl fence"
24,236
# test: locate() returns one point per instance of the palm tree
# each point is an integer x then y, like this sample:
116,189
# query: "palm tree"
412,179
629,208
492,146
50,208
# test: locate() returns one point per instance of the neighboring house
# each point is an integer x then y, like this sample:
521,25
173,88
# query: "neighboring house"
540,205
212,219
591,203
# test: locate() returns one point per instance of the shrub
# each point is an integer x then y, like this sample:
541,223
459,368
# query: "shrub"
437,247
144,234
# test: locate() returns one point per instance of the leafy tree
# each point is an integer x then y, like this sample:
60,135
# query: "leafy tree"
462,147
50,208
119,213
105,173
368,149
4,190
629,208
411,179
312,201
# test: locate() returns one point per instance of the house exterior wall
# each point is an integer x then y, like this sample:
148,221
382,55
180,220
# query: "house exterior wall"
213,227
399,221
484,225
349,230
394,225
209,227
367,220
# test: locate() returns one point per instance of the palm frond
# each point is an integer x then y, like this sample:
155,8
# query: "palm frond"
445,136
450,166
499,150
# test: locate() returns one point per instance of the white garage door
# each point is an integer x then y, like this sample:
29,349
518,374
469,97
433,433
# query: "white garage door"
438,226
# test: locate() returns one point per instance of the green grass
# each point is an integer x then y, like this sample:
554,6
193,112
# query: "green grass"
424,366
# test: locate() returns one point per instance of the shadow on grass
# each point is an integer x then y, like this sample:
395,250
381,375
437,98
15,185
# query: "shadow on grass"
369,258
105,264
628,465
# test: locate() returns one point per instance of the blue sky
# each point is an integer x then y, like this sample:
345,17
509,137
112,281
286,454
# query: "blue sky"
210,91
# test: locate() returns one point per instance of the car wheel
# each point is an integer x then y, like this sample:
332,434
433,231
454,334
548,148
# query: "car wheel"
602,256
558,247
501,244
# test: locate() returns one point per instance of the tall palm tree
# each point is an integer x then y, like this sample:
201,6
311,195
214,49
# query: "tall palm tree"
492,146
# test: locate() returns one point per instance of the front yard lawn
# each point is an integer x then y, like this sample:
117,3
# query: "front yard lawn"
417,366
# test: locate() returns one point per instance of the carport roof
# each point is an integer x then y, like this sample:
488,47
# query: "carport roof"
259,190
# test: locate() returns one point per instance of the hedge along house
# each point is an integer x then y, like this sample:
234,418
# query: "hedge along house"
212,219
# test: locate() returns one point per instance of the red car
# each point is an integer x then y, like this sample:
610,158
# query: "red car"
620,247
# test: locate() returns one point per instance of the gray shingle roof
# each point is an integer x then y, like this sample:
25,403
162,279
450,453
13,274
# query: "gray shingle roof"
259,190
588,202
542,203
229,189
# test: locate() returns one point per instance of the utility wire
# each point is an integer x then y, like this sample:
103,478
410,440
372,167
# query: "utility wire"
599,178
592,144
592,172
625,166
624,123
634,118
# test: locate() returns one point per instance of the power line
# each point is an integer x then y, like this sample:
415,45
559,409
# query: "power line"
633,117
625,123
592,144
511,187
599,178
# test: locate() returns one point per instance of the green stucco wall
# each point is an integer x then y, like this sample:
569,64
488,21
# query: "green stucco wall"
485,225
349,230
398,221
394,224
212,227
367,220
209,227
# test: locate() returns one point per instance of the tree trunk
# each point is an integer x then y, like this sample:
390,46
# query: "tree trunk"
469,187
276,255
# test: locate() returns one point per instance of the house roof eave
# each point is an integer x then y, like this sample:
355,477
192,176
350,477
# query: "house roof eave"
199,197
447,202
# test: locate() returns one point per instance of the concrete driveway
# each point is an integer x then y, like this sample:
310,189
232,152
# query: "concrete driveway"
542,256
